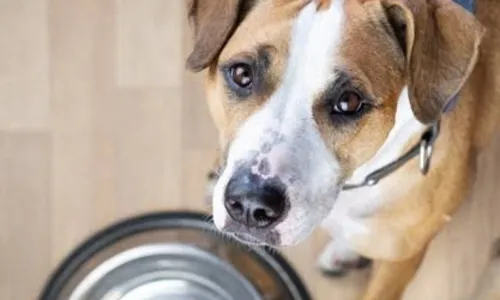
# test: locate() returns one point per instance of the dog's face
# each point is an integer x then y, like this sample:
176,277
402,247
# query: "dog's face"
306,92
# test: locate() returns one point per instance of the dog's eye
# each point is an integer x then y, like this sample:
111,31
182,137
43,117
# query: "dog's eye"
345,100
242,75
349,103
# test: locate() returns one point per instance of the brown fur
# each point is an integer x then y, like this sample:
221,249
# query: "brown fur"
444,51
210,36
323,4
400,232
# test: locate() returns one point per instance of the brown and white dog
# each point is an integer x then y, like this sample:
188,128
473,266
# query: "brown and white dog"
309,96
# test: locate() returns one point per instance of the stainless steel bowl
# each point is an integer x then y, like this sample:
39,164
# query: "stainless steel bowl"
172,256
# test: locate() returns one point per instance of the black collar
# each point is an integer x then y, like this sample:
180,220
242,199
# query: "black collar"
425,146
423,149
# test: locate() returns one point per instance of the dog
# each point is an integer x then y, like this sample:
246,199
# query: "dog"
364,117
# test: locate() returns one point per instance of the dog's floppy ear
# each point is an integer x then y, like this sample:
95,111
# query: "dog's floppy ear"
441,43
213,21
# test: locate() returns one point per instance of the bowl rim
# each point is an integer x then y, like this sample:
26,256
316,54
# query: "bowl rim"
120,230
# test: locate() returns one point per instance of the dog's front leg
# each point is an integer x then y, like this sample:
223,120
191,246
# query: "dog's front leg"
390,279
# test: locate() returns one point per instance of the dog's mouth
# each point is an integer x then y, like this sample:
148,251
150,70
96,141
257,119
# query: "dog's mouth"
247,239
251,236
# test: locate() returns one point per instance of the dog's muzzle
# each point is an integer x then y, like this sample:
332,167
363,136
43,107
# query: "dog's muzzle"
255,205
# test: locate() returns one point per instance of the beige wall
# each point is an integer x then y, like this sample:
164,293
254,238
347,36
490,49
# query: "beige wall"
99,121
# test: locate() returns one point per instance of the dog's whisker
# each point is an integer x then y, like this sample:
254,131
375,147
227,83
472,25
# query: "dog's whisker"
207,219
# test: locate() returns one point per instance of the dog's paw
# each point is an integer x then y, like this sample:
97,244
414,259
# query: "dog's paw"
337,259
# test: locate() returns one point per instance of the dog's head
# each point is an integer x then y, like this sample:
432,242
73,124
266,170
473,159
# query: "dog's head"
304,93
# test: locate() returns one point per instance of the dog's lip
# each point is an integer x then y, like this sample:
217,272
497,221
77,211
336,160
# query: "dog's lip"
251,240
251,236
247,238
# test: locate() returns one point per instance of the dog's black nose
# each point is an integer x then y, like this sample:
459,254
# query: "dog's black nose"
254,202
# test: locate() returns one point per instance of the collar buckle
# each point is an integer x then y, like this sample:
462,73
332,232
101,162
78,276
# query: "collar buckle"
427,148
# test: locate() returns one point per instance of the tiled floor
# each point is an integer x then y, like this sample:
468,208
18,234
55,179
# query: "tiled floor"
99,121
